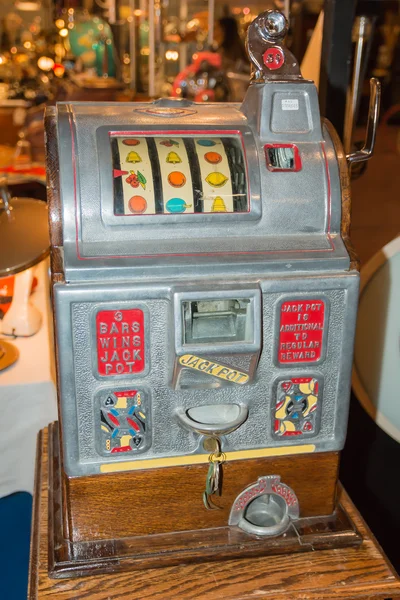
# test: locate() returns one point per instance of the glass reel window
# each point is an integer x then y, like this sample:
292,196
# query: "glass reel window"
178,175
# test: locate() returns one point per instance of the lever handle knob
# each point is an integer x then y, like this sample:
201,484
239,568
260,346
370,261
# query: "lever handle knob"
374,103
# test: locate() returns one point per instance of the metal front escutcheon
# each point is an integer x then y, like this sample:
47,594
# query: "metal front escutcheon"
265,508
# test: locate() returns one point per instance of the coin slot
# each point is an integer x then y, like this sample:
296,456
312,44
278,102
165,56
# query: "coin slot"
282,157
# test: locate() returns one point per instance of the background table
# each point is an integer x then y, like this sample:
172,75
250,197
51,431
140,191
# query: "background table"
346,573
27,397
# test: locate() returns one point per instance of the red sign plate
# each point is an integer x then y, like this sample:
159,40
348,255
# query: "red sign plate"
301,330
120,342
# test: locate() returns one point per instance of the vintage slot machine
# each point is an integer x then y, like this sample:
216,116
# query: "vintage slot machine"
205,300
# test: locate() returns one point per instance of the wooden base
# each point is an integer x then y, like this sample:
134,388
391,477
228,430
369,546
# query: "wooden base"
169,499
68,558
361,573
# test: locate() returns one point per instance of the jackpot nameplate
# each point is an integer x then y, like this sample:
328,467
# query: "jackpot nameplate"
120,342
212,368
301,331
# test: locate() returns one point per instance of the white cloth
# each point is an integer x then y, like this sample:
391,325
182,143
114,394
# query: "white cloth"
27,397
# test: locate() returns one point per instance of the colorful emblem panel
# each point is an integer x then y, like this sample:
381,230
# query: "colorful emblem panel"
123,422
178,175
301,331
298,406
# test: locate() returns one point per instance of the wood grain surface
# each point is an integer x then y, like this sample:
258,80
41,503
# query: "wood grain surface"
171,498
73,559
346,573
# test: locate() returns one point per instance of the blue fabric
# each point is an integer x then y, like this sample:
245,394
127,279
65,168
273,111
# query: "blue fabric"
15,519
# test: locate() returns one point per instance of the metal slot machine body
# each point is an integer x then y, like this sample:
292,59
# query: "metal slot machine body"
205,304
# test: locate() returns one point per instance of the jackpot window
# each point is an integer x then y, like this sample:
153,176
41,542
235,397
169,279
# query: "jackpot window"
178,175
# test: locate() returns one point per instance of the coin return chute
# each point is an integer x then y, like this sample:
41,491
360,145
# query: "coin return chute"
265,508
265,515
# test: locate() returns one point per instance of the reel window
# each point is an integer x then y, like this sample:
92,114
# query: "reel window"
167,174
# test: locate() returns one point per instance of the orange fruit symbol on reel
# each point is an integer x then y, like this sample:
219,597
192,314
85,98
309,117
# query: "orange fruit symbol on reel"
131,142
176,179
137,204
213,157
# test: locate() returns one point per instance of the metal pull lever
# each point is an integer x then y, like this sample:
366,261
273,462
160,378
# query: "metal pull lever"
374,103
